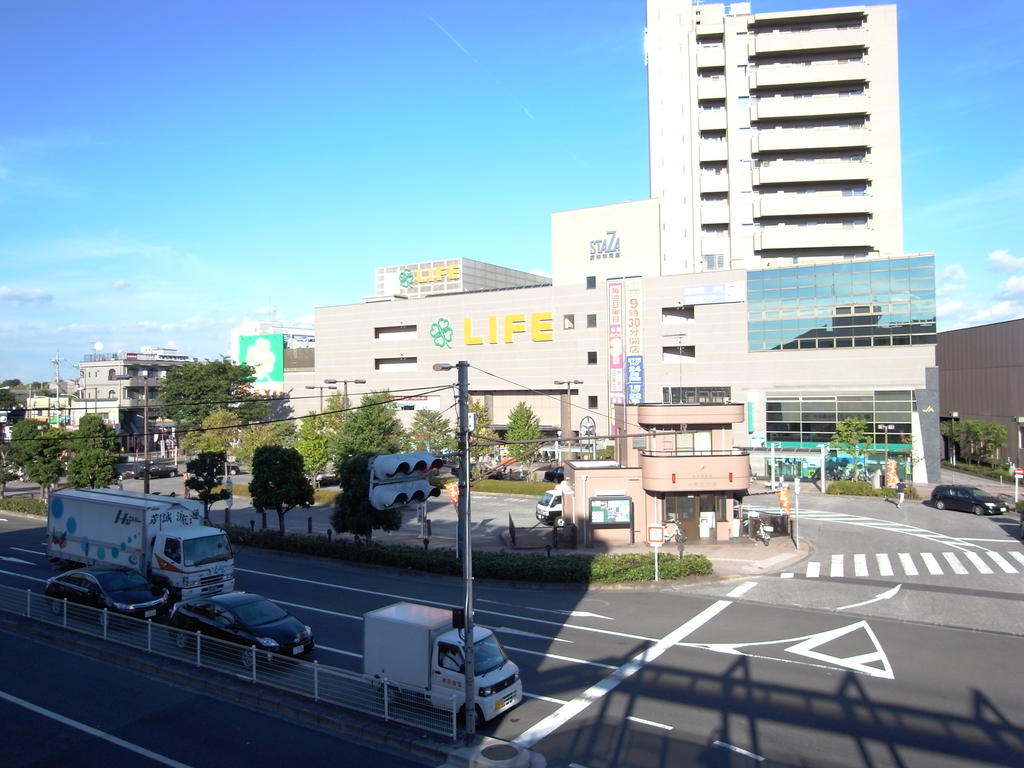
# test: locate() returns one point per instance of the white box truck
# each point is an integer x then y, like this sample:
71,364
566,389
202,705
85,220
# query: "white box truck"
162,537
417,648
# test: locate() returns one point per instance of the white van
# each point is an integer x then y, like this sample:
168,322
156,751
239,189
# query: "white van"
549,508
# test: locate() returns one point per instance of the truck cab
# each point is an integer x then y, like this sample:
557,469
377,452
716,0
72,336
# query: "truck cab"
498,685
549,508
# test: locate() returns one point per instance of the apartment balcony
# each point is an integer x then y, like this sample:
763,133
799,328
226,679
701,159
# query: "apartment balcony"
715,244
819,105
792,173
811,205
711,120
789,139
714,182
711,88
787,238
711,151
649,415
813,74
680,471
807,40
711,56
714,213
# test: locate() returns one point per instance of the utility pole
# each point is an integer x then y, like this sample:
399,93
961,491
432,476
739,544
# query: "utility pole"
465,428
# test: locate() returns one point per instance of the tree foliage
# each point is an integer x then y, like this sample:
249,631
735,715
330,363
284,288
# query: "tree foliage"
217,433
38,451
352,511
193,391
279,482
851,437
430,431
255,436
523,424
484,439
976,441
205,471
95,447
313,444
373,427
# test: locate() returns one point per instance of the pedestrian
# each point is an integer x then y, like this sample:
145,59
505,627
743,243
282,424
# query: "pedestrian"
188,491
901,489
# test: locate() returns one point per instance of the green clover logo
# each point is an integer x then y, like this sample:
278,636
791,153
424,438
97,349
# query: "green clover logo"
406,278
441,332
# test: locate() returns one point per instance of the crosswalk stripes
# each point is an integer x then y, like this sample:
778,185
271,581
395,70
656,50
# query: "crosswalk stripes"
962,563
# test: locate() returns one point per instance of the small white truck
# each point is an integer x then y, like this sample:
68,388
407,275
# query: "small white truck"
416,648
161,537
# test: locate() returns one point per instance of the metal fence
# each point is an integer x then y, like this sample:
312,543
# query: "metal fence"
308,679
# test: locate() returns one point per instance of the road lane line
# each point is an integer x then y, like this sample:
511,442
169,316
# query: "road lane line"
738,751
884,565
651,723
907,563
837,567
603,687
787,575
954,563
1018,556
860,566
931,564
999,560
92,731
883,596
813,570
742,589
977,562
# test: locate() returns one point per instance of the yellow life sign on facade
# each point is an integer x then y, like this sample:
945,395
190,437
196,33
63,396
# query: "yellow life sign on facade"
504,329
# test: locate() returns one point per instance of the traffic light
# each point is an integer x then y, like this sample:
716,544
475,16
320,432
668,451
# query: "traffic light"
399,479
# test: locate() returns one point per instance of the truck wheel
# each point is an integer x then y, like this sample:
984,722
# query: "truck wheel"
479,714
560,522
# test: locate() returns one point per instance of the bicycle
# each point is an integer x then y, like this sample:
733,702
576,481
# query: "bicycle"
764,532
678,535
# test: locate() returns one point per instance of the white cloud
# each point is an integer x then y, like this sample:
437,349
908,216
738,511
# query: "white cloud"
1004,261
1012,287
120,284
997,313
21,296
954,273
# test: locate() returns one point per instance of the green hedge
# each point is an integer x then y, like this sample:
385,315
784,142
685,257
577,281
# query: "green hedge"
995,473
513,566
28,506
853,488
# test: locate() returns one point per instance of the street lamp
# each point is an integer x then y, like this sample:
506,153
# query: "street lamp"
884,428
954,415
145,426
567,409
344,391
314,386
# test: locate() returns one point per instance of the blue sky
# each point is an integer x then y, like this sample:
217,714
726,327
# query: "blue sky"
170,169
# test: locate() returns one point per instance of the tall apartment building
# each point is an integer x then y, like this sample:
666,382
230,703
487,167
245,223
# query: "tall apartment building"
774,137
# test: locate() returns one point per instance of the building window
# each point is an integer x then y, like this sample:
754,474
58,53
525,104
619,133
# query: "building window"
568,322
591,282
591,321
592,401
695,395
591,358
714,261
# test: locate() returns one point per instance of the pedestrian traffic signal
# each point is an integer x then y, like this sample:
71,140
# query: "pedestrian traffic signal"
400,479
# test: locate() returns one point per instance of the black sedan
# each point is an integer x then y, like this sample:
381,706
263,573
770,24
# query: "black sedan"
968,499
138,470
118,589
244,618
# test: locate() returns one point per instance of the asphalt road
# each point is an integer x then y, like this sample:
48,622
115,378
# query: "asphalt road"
799,670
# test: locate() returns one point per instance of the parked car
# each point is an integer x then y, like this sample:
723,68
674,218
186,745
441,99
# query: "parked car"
244,618
325,478
116,588
555,475
137,470
968,499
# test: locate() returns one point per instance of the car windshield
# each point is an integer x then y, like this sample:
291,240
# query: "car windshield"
207,549
547,499
488,655
257,612
112,581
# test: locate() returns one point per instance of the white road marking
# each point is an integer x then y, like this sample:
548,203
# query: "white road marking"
813,570
890,527
980,564
574,614
931,564
27,551
883,596
524,633
837,567
1018,556
22,576
739,751
320,647
787,575
16,560
860,566
742,589
571,659
884,566
549,699
92,731
603,687
954,563
907,562
999,560
651,723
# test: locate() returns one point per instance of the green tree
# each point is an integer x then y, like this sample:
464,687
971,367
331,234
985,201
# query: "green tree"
313,444
205,473
851,437
193,391
373,427
430,431
523,424
976,441
278,481
484,439
38,451
334,414
94,463
255,436
8,401
352,511
218,432
8,471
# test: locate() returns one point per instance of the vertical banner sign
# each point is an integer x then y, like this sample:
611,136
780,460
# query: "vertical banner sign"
634,340
616,382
